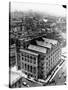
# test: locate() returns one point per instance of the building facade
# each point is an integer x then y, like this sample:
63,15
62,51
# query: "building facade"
53,55
28,63
12,55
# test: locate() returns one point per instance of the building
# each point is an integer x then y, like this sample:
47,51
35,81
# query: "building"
53,55
12,55
39,60
15,80
28,62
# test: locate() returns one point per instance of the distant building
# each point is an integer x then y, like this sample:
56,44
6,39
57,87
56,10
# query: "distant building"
37,61
12,55
15,80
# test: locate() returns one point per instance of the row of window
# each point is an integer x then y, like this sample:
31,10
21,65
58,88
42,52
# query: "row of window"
29,56
54,53
29,60
53,60
29,68
12,61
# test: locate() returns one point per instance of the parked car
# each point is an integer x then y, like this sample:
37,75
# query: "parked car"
64,83
59,76
25,84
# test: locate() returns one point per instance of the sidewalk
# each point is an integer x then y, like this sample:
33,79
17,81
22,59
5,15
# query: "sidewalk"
53,73
14,69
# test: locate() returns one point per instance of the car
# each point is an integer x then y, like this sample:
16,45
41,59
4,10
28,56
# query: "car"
53,81
25,84
64,83
65,76
59,76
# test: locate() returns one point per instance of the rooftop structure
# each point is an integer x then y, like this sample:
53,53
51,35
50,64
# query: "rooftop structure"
37,48
44,44
50,41
28,51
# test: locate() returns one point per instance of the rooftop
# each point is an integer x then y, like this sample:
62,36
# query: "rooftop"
28,51
44,44
37,48
50,41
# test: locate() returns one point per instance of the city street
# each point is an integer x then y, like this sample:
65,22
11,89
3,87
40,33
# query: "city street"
57,77
60,77
30,83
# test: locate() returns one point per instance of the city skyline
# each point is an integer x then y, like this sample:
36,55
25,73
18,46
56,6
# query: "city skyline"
56,10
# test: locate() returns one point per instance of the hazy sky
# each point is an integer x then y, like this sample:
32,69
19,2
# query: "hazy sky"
52,9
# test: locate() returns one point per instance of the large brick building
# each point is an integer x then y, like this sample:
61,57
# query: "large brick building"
38,60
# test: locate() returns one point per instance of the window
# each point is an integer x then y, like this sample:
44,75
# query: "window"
19,67
18,57
30,68
34,70
22,54
35,76
22,58
34,58
30,57
25,58
30,60
26,55
47,63
22,65
25,67
47,58
34,61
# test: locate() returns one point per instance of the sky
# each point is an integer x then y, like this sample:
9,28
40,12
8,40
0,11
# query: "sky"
52,9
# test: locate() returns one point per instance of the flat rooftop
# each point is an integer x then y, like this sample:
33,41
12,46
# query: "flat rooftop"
14,77
37,48
28,51
50,41
44,44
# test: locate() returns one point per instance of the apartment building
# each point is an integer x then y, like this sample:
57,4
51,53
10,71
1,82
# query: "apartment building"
12,55
39,60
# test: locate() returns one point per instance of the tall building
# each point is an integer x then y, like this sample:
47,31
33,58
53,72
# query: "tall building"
39,60
12,55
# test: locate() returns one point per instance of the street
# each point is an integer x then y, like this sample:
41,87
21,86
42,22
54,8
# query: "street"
60,77
29,83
